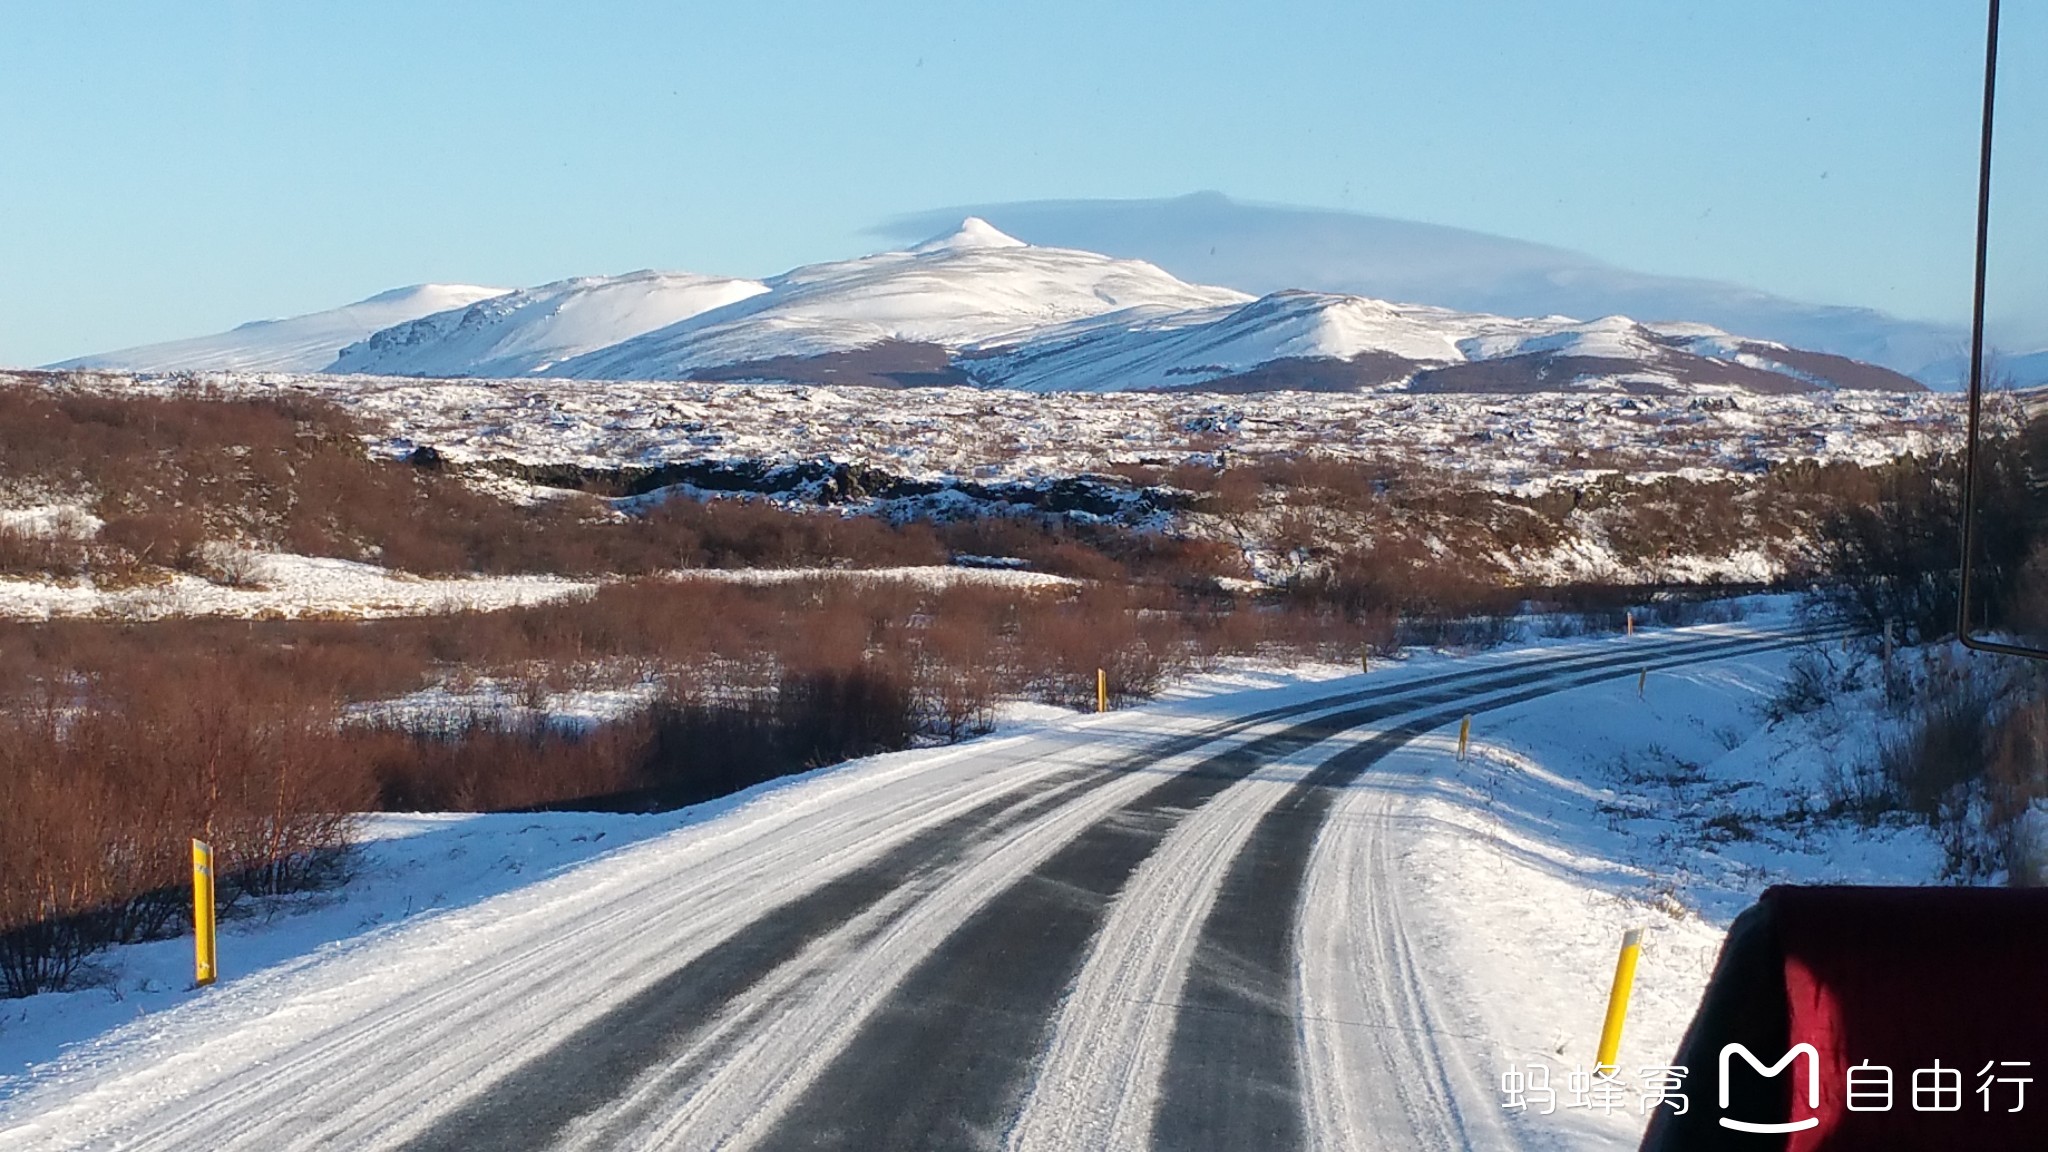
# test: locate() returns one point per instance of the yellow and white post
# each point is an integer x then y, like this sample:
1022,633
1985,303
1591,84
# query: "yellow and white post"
1464,735
1617,1001
1101,690
203,940
1631,625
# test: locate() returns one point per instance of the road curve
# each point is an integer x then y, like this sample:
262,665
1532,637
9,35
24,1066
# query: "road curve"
1087,937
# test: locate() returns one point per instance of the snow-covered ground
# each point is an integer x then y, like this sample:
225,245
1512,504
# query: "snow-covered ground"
1578,817
278,584
283,585
1497,888
1520,443
927,575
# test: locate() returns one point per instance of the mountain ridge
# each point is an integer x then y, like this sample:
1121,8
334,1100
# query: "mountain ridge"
975,305
1261,248
304,343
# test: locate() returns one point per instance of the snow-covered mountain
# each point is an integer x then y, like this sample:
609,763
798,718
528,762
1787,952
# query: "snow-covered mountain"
1320,341
1223,343
977,306
534,329
1264,248
305,343
974,286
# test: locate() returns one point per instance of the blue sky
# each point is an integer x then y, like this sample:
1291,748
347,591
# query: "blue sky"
176,168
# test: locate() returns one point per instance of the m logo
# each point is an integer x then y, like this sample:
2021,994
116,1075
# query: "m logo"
1812,1087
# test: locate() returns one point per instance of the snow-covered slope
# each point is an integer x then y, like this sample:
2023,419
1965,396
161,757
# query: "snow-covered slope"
1125,351
297,344
974,286
1264,248
534,329
1321,341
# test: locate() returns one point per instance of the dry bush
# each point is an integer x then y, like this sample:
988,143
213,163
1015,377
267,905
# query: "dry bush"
1891,556
63,548
478,763
2016,795
119,743
167,475
107,780
1061,646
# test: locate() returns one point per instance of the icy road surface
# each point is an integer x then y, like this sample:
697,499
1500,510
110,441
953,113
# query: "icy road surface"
1177,927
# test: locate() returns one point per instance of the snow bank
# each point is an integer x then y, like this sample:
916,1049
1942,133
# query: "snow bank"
1582,815
281,584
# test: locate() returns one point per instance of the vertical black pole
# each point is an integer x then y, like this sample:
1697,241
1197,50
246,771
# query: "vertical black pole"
1964,625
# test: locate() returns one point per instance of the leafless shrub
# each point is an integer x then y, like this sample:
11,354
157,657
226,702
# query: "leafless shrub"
1814,679
230,566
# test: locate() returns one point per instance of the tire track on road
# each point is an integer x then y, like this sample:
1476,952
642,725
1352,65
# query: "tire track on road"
1233,1074
947,1057
531,1107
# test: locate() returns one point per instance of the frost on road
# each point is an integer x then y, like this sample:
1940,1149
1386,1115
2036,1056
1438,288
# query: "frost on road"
1189,926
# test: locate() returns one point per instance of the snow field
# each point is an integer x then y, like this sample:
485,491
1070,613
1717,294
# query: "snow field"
924,575
293,586
1530,443
286,586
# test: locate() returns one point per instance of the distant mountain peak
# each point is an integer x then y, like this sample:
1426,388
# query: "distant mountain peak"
973,233
432,294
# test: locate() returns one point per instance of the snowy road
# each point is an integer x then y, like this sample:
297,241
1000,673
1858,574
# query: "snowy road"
1177,927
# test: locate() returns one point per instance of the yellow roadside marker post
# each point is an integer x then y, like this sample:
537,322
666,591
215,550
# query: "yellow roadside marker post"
1464,735
1101,690
203,955
1631,626
1617,1001
1365,658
